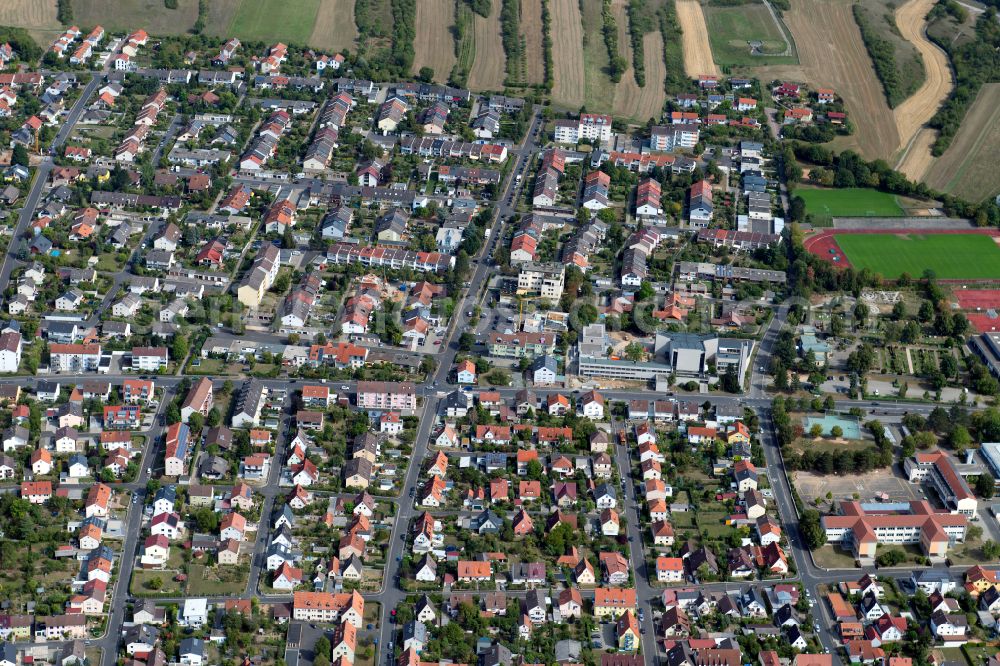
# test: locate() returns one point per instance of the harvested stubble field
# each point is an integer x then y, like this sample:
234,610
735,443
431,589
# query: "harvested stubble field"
489,67
968,168
434,45
567,50
647,102
29,14
698,58
220,15
913,114
127,15
531,28
831,54
335,29
38,17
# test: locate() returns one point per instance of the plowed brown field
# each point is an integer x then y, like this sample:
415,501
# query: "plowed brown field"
335,29
434,44
697,49
567,53
531,28
647,102
489,67
831,54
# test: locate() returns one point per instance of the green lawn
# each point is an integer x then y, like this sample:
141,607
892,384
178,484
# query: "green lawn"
217,580
950,256
275,20
731,29
849,202
599,89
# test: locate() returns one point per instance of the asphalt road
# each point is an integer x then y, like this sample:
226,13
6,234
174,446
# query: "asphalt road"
628,509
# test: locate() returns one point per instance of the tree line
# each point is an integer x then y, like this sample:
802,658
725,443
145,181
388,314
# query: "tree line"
22,43
975,62
617,64
404,16
640,22
64,12
851,170
883,55
513,44
675,80
481,7
550,70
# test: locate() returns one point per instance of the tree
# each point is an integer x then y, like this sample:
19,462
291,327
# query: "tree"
180,348
587,314
196,422
322,648
985,486
214,417
465,341
837,432
20,155
960,439
282,282
926,312
836,326
910,332
206,519
173,414
498,377
797,209
861,313
816,430
812,532
780,374
426,74
645,292
731,380
635,352
948,365
991,549
890,558
534,470
899,310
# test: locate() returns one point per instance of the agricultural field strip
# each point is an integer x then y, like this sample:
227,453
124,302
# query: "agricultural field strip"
832,54
968,167
567,49
697,47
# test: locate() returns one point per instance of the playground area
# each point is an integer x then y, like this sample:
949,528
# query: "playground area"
850,427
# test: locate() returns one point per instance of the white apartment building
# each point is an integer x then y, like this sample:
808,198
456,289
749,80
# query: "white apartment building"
546,280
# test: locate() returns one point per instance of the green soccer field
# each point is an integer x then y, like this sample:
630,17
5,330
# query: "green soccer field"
950,256
849,202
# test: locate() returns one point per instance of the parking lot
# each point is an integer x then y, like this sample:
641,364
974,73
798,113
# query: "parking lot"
884,484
